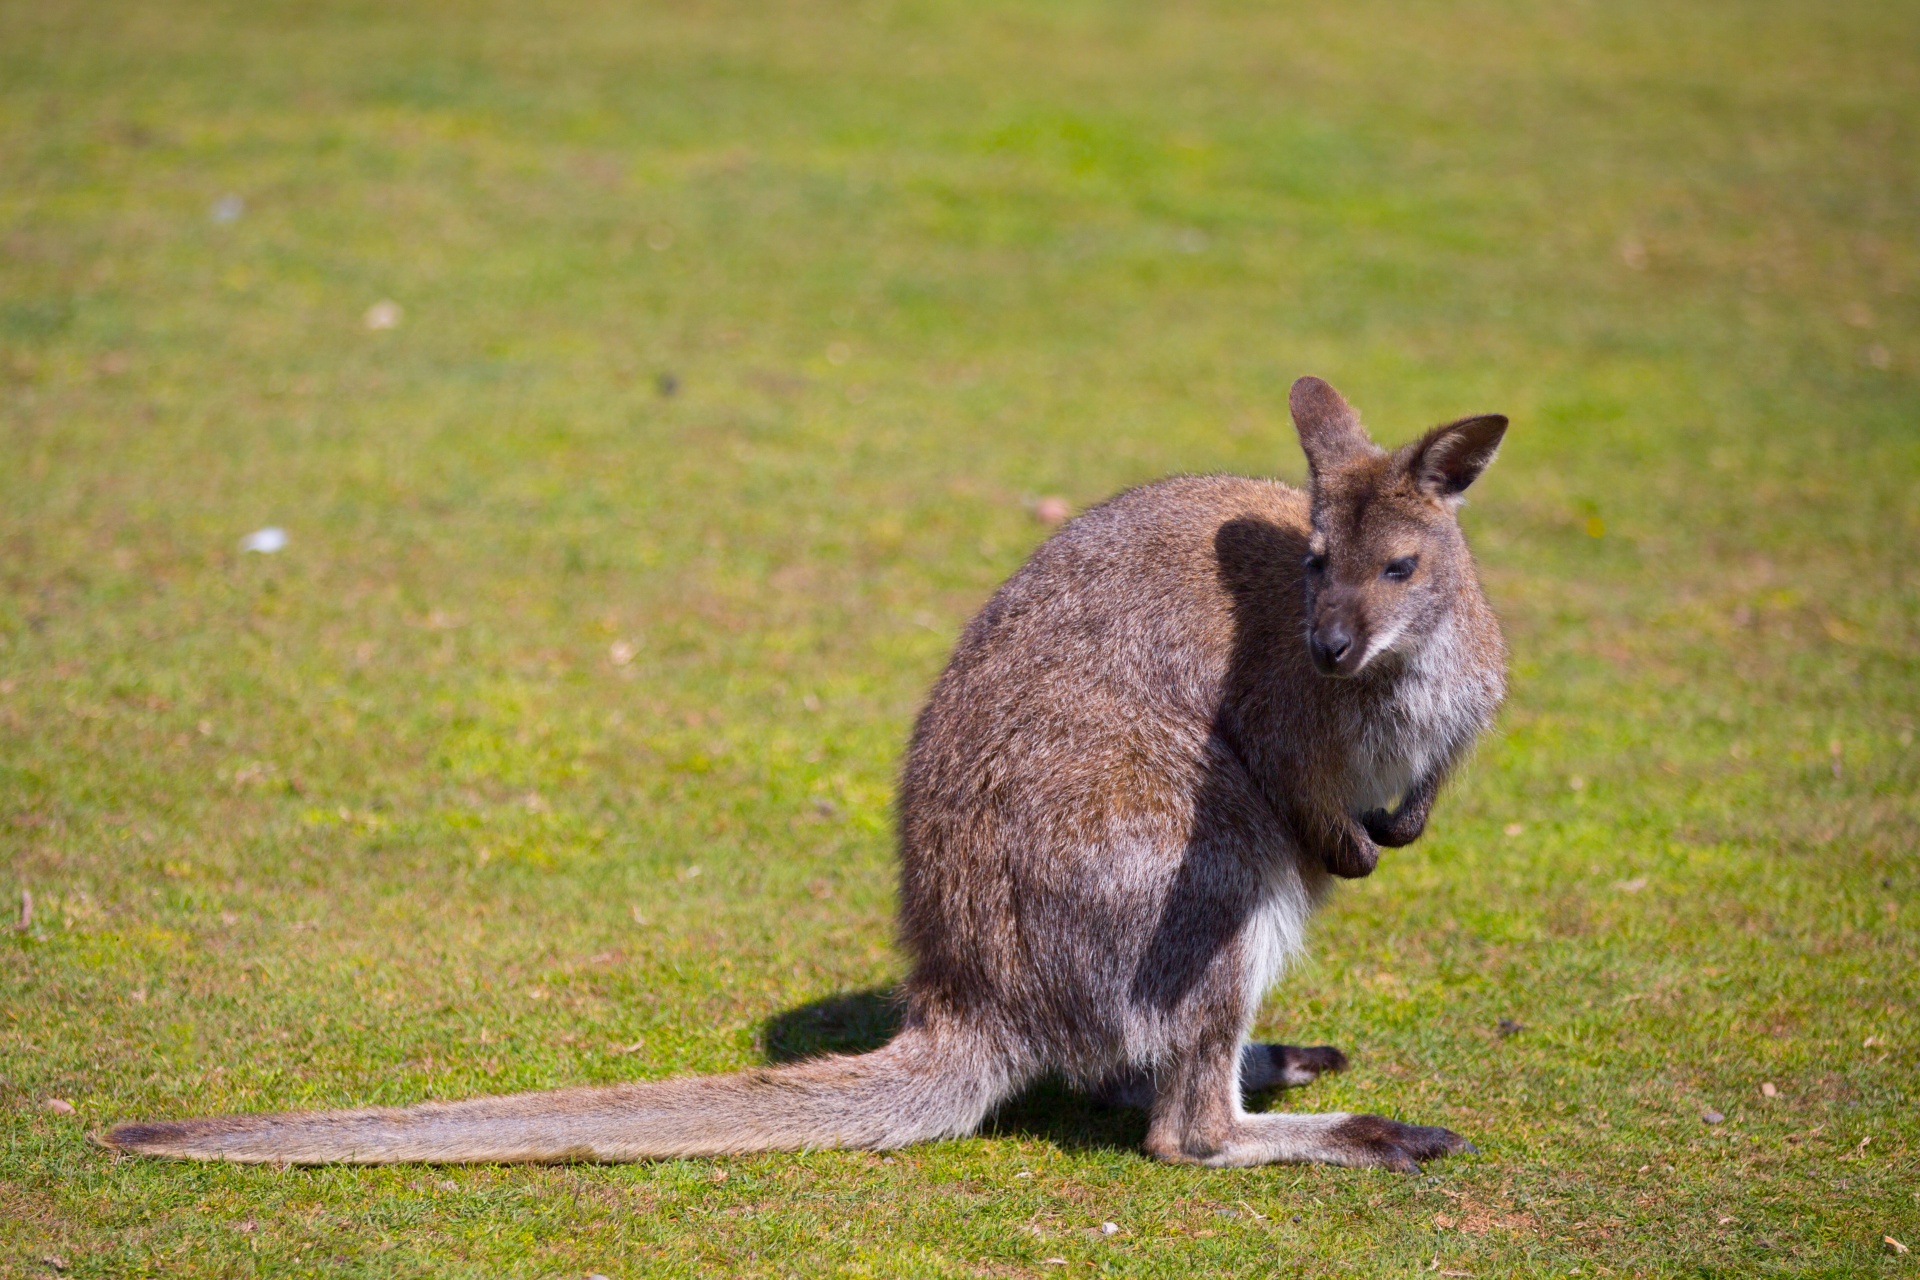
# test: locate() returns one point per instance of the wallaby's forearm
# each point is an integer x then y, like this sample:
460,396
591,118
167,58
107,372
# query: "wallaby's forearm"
1404,825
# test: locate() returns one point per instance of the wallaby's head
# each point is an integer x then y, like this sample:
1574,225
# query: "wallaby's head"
1386,563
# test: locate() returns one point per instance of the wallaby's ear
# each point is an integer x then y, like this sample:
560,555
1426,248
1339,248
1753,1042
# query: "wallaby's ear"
1330,431
1448,458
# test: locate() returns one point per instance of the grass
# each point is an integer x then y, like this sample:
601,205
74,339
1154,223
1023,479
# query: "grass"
558,744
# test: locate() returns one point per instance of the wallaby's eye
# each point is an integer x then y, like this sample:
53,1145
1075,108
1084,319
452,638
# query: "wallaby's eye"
1316,563
1400,570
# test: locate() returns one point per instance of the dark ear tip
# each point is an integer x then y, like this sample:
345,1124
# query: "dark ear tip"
1309,390
1476,429
1313,400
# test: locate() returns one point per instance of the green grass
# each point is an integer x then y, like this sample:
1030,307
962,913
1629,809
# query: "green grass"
380,818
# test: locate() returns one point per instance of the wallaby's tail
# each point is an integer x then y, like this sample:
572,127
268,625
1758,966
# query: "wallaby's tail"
920,1086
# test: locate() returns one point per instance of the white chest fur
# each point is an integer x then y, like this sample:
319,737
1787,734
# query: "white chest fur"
1276,931
1437,703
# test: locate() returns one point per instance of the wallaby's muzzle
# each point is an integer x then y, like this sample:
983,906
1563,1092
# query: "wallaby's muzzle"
1331,646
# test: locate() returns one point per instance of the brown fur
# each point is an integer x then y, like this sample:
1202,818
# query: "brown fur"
1150,751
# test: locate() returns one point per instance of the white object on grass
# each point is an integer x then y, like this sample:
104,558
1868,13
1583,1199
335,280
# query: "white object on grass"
268,540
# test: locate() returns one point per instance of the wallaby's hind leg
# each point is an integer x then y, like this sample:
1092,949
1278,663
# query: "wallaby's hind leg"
1197,1119
1263,1067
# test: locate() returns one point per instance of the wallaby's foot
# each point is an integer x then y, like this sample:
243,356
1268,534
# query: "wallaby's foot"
1375,1142
1197,1119
1263,1068
1338,1137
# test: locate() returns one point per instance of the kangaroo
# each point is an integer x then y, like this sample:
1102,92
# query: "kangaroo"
1153,751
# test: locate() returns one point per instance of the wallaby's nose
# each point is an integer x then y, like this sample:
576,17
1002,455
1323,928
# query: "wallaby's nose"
1329,644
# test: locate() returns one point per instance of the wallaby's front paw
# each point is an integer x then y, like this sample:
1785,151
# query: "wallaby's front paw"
1375,1142
1355,861
1390,830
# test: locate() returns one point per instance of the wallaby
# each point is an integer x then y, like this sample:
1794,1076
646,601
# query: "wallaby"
1150,752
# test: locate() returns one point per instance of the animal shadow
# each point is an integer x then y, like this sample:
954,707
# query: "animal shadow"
849,1022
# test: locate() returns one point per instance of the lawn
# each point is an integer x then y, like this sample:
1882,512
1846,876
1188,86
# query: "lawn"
728,351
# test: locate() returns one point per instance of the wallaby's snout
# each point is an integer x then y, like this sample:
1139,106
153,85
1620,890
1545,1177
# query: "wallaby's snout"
1330,645
1337,634
1349,625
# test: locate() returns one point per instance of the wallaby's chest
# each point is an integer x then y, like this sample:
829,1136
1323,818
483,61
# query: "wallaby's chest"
1436,706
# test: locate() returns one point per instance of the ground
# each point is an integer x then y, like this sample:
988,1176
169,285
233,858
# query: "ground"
648,394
